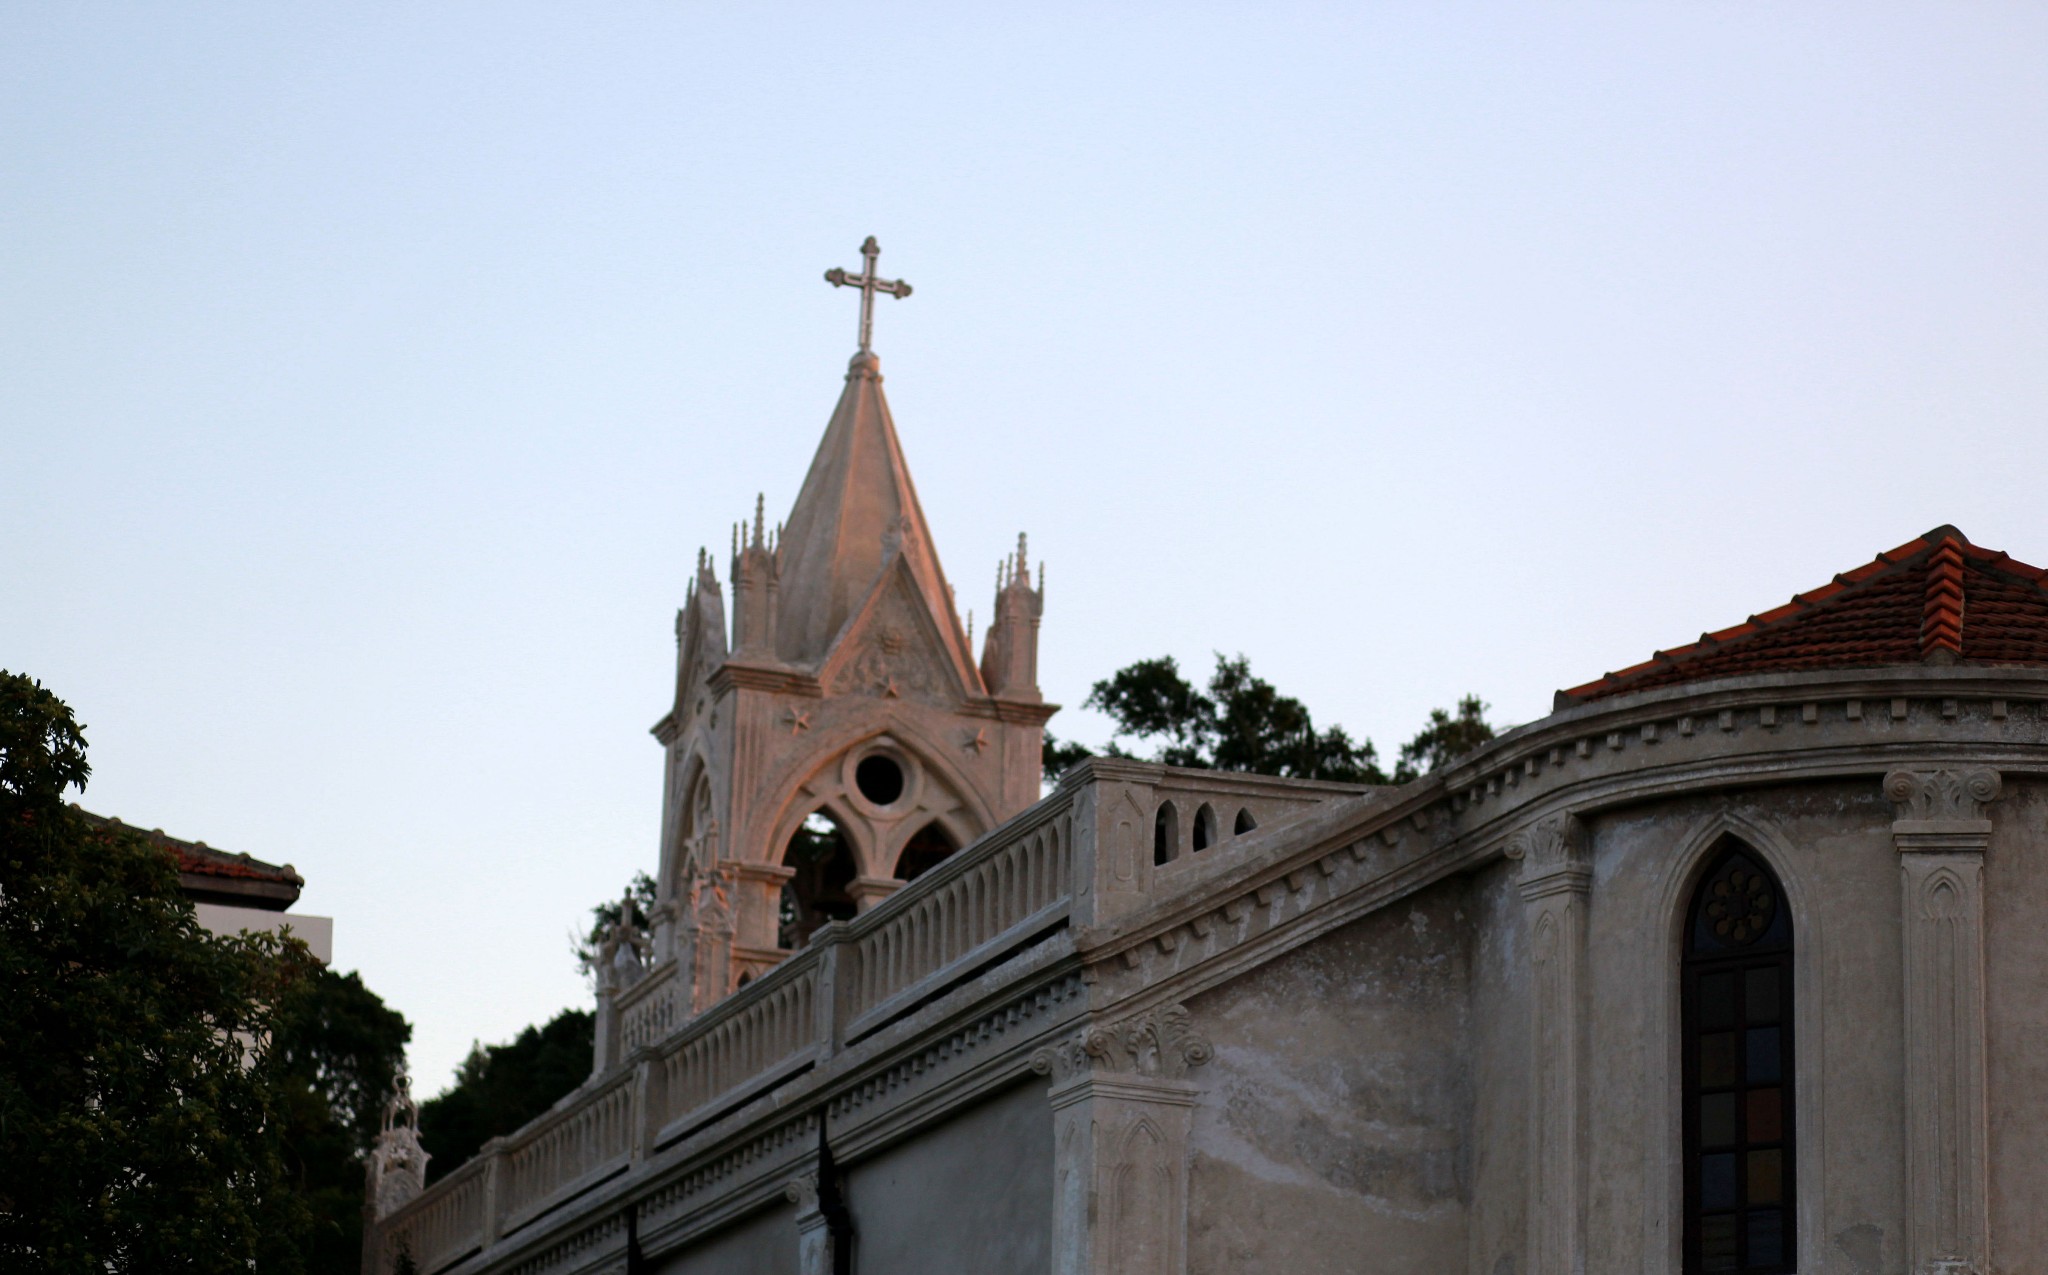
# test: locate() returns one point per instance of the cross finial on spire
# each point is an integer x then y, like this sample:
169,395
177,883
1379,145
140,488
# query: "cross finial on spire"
869,284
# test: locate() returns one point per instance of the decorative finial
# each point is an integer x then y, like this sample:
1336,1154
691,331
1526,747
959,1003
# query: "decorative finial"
760,505
869,284
1022,568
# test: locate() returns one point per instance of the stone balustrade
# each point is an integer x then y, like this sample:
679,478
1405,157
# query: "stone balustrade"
1079,857
744,1040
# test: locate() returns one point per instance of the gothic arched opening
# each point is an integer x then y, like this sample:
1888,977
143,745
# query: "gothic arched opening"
1205,827
1245,822
930,847
1738,1113
1165,834
822,855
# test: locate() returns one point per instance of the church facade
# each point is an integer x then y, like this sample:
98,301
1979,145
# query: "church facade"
1737,961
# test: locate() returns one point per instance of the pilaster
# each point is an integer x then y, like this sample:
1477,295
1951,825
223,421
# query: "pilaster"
1121,1105
1942,833
1557,882
814,1254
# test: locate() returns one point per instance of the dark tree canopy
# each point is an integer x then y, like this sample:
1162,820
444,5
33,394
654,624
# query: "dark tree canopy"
1447,738
338,1048
1241,722
500,1087
143,1111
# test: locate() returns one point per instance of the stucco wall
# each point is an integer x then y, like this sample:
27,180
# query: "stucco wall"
1498,1220
763,1244
971,1194
2016,1003
1332,1120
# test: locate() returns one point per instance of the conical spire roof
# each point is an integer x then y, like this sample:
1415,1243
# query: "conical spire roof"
857,510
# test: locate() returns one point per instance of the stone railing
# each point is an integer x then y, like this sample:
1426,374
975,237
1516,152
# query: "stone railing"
964,912
1081,856
577,1144
650,1009
742,1041
442,1225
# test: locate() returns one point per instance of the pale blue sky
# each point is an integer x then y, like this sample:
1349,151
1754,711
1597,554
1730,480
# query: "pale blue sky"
369,375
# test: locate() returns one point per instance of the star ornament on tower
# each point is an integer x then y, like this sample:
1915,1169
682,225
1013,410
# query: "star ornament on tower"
869,283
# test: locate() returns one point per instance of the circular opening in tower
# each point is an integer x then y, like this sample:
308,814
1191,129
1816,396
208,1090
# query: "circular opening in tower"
879,779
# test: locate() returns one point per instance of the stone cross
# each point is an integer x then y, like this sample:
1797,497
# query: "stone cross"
869,284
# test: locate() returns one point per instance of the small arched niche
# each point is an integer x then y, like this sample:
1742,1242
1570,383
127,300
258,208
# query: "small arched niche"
931,846
1205,827
1165,834
1245,823
822,855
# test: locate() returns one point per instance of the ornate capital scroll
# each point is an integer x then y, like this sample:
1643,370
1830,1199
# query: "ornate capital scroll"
1159,1044
1121,1109
802,1191
1942,796
1553,854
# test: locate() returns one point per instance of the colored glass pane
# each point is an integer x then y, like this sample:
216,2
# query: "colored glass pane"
1766,1237
1717,1181
1717,1060
1762,1064
1766,1177
1717,1120
1763,1115
1717,1000
1717,1243
1759,994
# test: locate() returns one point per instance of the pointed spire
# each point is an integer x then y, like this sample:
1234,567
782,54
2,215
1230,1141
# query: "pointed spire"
856,512
760,506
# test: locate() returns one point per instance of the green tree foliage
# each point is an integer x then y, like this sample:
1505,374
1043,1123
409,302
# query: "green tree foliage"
1447,738
337,1048
1240,722
500,1087
142,1107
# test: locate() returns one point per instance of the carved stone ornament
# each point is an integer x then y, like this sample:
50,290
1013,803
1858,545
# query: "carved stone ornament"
802,1191
1549,845
1942,796
1158,1044
398,1163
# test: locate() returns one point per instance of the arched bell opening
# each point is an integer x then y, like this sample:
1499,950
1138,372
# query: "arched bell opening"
931,846
1165,834
822,856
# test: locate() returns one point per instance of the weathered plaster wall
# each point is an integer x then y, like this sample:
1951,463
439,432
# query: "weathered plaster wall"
1497,1220
1333,1118
972,1194
1831,845
763,1244
2016,1003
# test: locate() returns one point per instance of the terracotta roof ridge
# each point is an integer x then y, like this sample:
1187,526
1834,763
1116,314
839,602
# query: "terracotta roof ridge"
1941,615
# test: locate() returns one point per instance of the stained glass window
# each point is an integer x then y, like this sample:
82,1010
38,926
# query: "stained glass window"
1737,1015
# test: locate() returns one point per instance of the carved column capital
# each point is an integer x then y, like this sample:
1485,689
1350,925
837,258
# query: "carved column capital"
802,1191
1942,810
1159,1044
1554,856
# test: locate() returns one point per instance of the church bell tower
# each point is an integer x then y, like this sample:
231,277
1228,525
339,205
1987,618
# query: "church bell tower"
847,739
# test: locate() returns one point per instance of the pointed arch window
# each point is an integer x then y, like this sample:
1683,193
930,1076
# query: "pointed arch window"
822,855
1736,1007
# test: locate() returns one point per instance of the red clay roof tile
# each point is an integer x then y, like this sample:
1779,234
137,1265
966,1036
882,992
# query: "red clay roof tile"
1936,593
